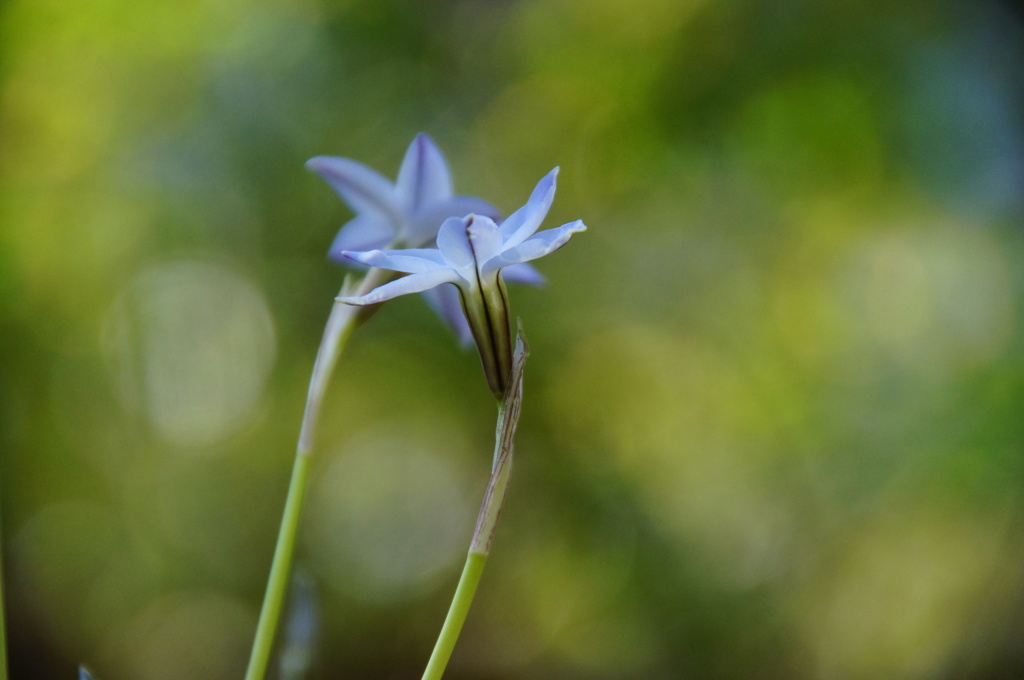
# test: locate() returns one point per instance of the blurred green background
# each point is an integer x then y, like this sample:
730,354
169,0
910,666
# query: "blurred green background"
774,416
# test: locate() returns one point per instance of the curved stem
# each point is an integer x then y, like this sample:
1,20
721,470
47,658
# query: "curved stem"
487,519
340,324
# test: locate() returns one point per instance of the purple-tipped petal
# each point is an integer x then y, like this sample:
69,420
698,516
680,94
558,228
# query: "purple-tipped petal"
423,178
407,261
541,244
364,189
453,242
523,273
428,219
522,223
363,232
413,283
445,301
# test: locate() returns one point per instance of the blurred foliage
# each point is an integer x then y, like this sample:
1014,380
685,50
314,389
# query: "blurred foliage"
772,425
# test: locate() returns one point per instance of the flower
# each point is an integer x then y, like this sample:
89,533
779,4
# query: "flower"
405,213
472,252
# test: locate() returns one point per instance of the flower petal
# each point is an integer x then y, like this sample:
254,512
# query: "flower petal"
410,261
446,302
523,273
522,223
363,232
428,219
538,245
453,242
413,283
364,189
484,238
423,178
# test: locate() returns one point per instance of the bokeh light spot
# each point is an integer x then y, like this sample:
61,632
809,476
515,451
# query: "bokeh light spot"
190,345
389,514
58,555
902,595
193,634
931,297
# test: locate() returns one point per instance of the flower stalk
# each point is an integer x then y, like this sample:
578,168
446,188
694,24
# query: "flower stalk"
342,321
487,519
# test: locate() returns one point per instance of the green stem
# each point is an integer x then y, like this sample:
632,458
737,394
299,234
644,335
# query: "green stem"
487,519
340,324
456,616
277,584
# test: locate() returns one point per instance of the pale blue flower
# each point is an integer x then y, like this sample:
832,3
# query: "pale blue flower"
406,213
472,252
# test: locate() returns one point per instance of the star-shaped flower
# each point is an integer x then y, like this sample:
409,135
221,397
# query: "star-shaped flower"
406,213
471,253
